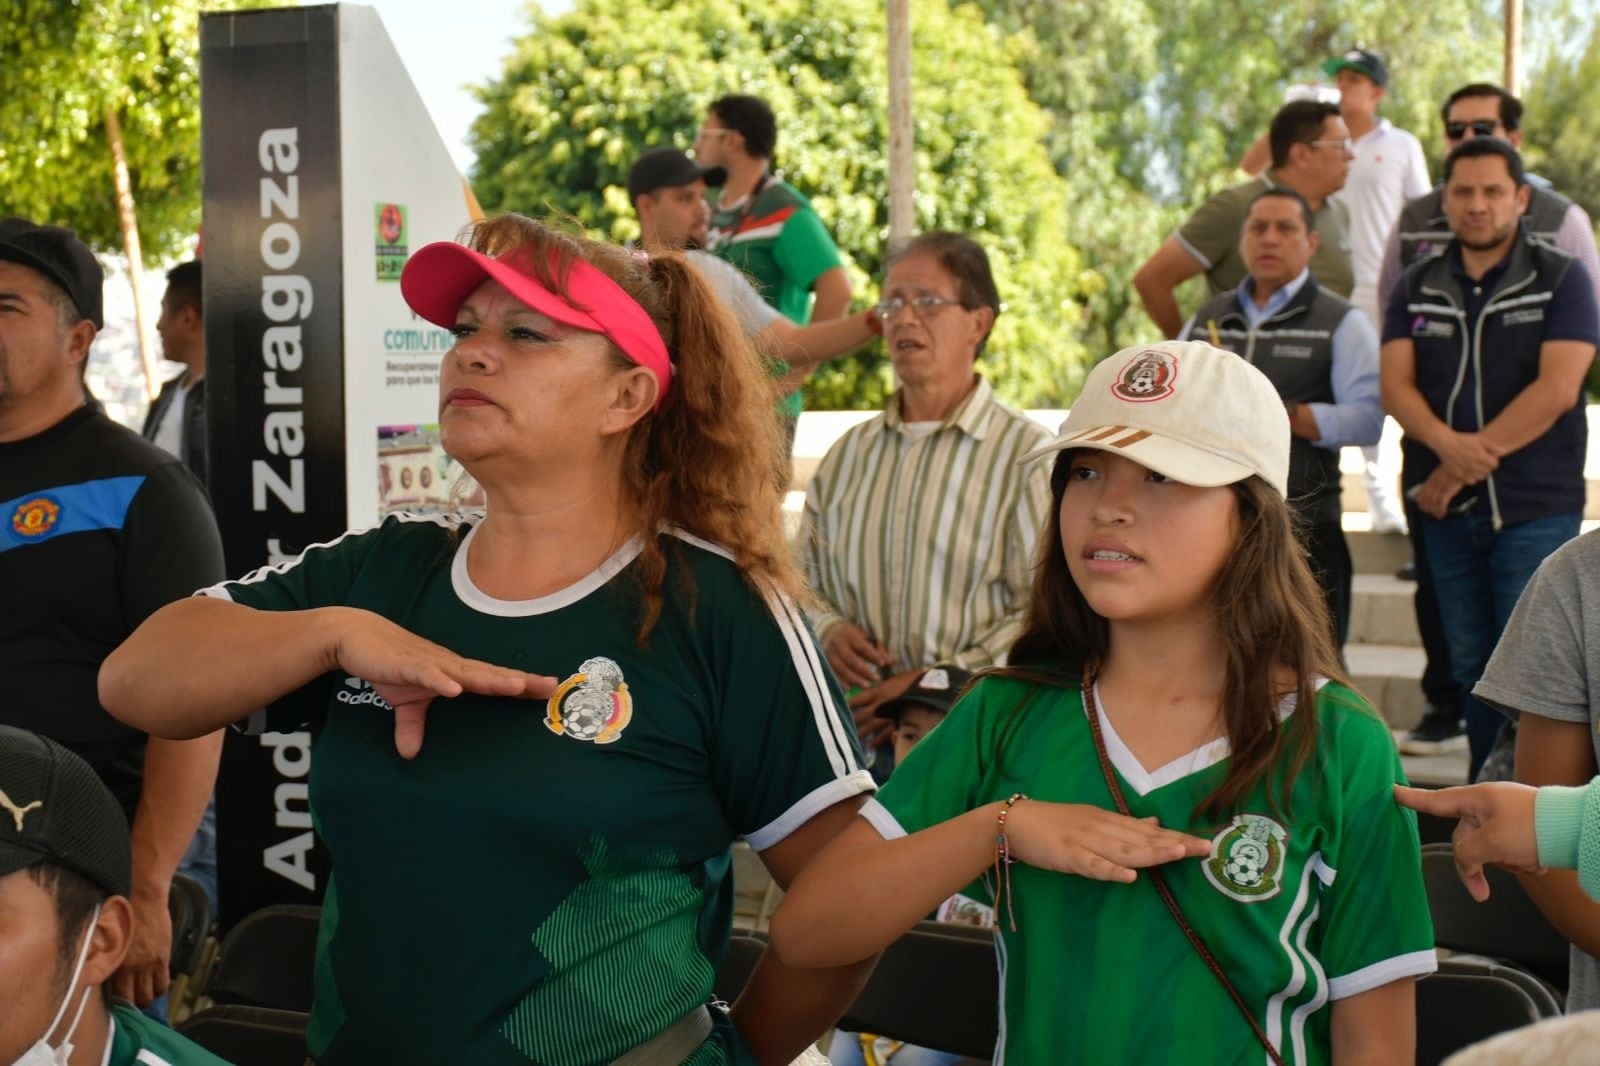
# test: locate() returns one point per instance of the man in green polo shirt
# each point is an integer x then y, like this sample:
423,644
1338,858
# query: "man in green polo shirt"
763,225
1311,154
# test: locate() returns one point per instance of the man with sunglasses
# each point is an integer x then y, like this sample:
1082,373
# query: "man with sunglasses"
1311,154
1484,110
1423,230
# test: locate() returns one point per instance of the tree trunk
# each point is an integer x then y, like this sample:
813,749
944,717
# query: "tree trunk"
130,243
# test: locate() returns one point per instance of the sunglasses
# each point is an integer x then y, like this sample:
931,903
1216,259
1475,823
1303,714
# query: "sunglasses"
1480,127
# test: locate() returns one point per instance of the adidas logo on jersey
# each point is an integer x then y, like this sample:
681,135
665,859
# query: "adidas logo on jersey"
357,692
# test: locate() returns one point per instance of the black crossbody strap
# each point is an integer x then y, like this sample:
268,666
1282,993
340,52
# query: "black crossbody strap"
1154,872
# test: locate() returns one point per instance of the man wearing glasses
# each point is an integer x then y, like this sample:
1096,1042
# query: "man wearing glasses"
1311,154
1476,110
921,524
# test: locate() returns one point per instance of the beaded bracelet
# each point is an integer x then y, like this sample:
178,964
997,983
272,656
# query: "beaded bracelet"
1002,862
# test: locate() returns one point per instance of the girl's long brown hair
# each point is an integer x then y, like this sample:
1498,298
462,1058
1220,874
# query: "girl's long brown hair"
1271,614
710,460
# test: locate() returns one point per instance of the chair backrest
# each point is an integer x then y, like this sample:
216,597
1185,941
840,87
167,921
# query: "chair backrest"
1507,926
250,1036
190,909
938,986
267,959
1545,999
744,951
1456,1009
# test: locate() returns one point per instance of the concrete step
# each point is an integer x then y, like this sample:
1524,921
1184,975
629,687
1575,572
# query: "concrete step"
1388,675
1381,611
1435,771
1374,553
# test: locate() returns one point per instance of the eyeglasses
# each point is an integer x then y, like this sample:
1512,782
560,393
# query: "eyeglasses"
1345,145
1480,127
710,131
921,306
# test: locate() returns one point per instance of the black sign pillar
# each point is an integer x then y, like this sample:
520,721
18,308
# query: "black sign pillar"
274,326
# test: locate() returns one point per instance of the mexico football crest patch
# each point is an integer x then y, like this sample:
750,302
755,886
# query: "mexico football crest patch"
592,704
1247,857
1149,376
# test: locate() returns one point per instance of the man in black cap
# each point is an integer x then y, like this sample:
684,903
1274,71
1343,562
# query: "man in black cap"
668,191
98,528
65,919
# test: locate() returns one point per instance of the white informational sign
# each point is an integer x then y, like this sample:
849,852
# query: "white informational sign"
400,190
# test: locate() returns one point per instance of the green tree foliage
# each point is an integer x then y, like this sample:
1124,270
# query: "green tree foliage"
61,66
1562,137
1153,102
587,90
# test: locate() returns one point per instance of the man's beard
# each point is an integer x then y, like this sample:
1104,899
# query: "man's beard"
1490,244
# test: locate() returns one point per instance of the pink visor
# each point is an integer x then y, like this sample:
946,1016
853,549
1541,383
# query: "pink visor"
439,278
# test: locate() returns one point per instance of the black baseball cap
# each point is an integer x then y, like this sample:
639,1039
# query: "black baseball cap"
57,253
1362,62
668,168
938,688
54,808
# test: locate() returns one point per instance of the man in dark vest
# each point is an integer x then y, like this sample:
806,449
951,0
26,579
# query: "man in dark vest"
1476,110
1484,110
1322,355
1486,347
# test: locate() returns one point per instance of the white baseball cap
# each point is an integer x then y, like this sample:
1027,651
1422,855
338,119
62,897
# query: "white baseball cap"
1197,414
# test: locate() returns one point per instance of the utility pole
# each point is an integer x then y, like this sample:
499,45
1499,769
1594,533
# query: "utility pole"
902,158
1513,78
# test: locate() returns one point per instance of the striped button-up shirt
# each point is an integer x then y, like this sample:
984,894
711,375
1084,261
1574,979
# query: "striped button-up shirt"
927,541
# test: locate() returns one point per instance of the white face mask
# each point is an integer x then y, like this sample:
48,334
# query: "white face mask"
41,1053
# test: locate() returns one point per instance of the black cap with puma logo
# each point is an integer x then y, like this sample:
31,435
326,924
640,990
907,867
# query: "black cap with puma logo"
54,808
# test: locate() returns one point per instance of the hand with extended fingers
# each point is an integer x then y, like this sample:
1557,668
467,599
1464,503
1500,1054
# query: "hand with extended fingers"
1496,826
1075,838
408,672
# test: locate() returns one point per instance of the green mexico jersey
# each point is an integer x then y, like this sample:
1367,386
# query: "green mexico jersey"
1299,910
777,240
137,1040
549,881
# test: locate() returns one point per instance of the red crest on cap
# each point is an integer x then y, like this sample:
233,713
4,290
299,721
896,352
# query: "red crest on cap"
1149,376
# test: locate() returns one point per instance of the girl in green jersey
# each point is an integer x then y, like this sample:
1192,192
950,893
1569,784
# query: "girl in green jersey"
1174,704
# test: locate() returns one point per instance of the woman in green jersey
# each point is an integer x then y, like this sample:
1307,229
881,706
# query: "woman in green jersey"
1174,666
610,666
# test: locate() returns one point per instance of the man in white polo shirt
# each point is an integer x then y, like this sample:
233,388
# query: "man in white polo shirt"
1389,169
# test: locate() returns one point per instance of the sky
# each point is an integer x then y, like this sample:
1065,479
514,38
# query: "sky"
449,45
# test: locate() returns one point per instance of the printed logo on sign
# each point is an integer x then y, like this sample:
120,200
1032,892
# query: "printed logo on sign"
357,692
390,245
593,704
1247,856
35,517
1523,317
1149,376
